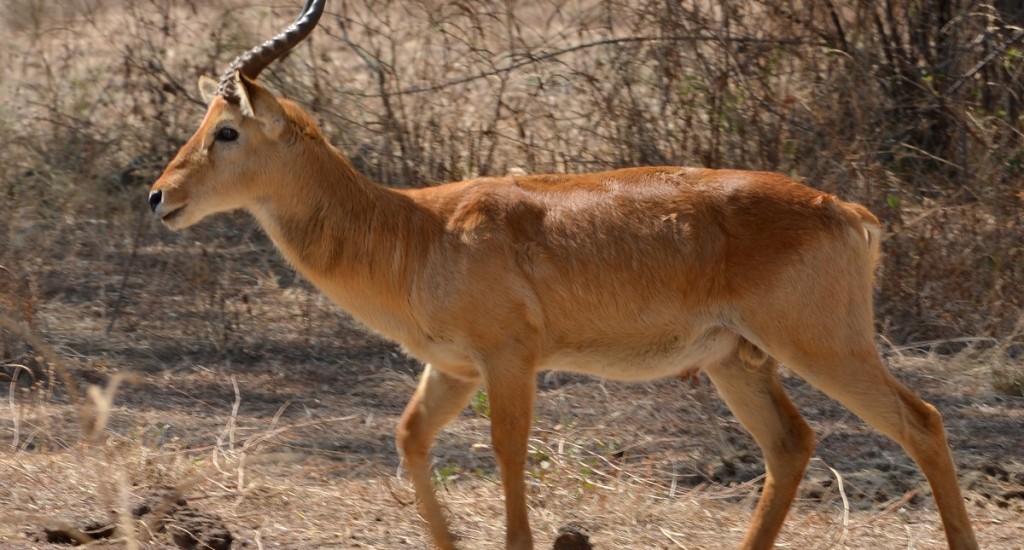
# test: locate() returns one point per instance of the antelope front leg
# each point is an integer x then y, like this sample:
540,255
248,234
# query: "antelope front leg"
511,390
437,400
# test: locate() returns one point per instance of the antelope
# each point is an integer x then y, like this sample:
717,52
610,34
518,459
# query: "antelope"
634,274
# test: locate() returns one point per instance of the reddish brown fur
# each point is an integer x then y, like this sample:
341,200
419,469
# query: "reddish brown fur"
633,274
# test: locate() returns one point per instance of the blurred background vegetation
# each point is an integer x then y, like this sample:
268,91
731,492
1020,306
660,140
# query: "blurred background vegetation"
911,107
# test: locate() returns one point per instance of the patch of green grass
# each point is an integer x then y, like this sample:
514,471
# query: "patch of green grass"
481,404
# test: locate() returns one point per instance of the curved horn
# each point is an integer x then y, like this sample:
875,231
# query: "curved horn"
251,63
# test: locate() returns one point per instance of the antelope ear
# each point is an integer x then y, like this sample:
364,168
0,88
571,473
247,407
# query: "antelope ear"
244,103
208,88
259,103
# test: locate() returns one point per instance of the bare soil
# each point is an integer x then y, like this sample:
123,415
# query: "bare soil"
269,414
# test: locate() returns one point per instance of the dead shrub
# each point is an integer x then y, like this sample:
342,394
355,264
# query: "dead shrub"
911,107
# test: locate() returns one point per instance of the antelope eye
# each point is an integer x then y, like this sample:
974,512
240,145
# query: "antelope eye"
226,133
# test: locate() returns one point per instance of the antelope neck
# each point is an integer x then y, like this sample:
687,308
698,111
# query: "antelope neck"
357,241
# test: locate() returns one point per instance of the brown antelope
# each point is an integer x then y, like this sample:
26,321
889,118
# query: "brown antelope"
634,274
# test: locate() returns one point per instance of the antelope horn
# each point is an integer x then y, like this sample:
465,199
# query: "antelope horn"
255,60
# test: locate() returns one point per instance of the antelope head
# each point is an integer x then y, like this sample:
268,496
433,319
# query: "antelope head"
232,161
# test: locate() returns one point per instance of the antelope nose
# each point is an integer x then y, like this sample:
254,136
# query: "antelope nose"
154,199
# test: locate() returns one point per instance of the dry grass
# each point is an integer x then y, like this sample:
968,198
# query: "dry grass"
296,452
97,95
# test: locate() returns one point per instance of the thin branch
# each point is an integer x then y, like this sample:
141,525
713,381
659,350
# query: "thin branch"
981,64
530,59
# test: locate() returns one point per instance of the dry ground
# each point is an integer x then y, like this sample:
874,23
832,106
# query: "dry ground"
236,359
